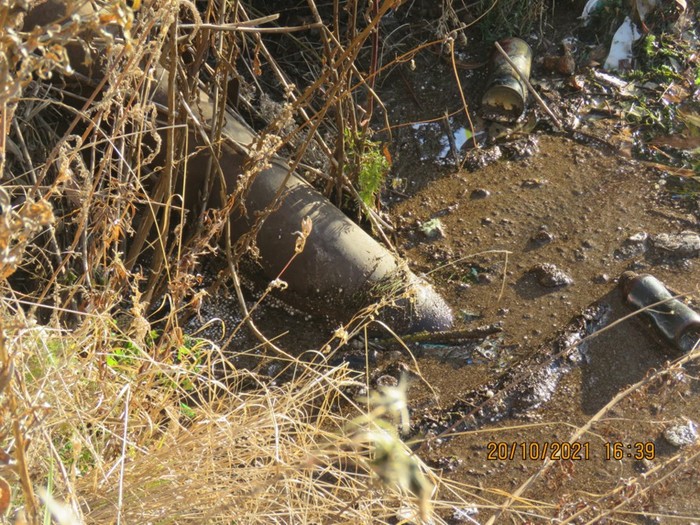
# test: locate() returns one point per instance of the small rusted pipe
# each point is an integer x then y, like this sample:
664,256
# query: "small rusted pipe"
506,93
341,268
674,320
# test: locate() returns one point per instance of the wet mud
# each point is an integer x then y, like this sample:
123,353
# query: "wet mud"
530,252
539,252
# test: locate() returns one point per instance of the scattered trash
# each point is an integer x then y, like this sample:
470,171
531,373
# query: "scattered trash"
673,319
564,64
588,9
644,7
506,94
620,56
550,276
682,434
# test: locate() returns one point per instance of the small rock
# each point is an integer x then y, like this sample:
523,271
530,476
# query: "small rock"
387,380
469,316
479,193
446,211
681,434
479,159
542,237
602,278
549,276
522,149
684,244
633,246
638,238
465,515
484,278
533,183
643,465
446,463
433,229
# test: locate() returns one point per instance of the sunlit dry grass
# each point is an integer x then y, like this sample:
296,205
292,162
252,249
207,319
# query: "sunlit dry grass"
112,415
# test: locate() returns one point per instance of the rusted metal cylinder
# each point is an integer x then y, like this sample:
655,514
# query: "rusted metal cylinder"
674,320
341,268
506,94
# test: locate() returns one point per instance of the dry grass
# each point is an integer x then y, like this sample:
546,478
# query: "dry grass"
114,416
109,412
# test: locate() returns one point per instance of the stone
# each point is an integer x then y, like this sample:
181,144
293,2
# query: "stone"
550,276
681,434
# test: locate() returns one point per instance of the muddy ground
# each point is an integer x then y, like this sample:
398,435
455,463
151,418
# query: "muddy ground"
535,198
591,204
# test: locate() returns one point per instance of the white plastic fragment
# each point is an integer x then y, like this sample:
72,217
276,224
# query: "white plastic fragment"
588,9
682,434
465,515
644,7
620,56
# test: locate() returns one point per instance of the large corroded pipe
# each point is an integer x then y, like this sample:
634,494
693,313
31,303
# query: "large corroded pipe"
341,268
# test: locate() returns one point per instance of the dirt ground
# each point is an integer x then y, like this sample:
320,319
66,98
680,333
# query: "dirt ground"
590,203
589,212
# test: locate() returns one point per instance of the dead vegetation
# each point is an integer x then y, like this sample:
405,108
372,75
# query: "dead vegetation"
111,413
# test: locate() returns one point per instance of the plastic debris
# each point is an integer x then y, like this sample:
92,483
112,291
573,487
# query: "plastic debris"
588,9
682,434
620,56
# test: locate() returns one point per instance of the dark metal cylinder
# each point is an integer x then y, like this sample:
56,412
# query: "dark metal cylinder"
674,320
506,94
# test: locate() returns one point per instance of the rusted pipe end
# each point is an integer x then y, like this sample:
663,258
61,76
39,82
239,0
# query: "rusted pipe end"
422,310
626,282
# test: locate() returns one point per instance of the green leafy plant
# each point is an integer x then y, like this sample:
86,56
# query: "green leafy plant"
367,162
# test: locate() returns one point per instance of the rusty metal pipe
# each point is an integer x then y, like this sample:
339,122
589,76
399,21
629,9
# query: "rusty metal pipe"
674,320
506,93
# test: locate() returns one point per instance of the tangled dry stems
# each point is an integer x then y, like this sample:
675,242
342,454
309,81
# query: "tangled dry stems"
107,420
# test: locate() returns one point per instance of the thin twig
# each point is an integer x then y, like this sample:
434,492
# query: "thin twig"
122,459
461,91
